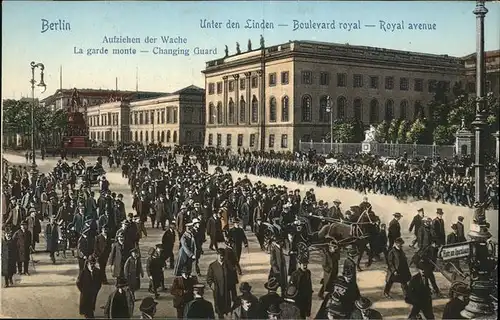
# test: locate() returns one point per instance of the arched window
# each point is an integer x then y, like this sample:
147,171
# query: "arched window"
114,136
219,112
135,136
306,109
232,118
158,136
272,109
358,109
140,136
147,136
162,136
403,110
373,111
175,137
418,112
211,113
243,110
389,110
168,136
284,109
341,105
255,109
324,111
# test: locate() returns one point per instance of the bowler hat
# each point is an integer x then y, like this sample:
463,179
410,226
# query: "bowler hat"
460,218
397,214
147,304
421,210
399,241
221,251
454,226
291,291
274,309
439,211
272,284
245,287
363,303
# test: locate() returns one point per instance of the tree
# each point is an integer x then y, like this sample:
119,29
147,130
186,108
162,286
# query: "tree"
416,134
403,129
392,132
346,132
381,131
444,135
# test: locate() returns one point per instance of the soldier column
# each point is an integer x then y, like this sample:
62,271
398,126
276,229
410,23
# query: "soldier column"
481,265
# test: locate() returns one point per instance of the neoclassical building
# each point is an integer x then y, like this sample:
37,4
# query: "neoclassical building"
271,98
173,118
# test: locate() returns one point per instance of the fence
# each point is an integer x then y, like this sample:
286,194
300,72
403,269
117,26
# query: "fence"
381,149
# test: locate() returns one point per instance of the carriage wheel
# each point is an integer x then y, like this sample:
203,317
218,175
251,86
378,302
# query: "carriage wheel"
268,235
302,251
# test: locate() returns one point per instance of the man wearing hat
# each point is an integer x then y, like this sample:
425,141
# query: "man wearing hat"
154,269
85,247
187,250
168,241
289,308
22,238
363,310
415,224
247,307
199,308
117,256
182,290
271,297
120,304
438,227
394,230
52,238
274,312
452,238
148,308
102,249
397,268
245,289
89,284
419,295
133,271
237,236
214,231
460,229
335,211
9,257
221,281
459,296
301,279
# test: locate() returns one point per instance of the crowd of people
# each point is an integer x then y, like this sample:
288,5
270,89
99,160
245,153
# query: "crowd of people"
192,206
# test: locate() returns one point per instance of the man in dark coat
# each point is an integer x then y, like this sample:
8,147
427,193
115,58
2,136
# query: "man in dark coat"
199,308
419,295
247,308
161,211
154,269
52,238
9,258
182,290
460,229
271,297
89,284
278,264
415,224
22,238
102,249
237,235
117,257
438,226
85,248
301,278
363,310
459,294
397,268
220,280
289,308
394,230
214,231
35,227
167,241
120,304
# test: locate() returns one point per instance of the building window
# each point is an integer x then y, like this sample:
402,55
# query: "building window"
252,140
255,82
357,106
389,83
135,136
231,86
141,119
219,87
163,116
243,112
418,111
324,78
211,113
471,87
432,84
341,80
374,82
357,81
175,115
163,136
272,109
219,112
419,85
403,110
153,117
306,77
487,86
169,135
341,105
169,115
404,84
255,109
324,111
147,136
389,110
374,111
228,140
175,137
210,139
272,79
240,140
284,109
242,84
211,88
306,109
271,141
232,113
219,139
284,141
285,77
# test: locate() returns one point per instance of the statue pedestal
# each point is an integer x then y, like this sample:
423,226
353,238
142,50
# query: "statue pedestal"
369,146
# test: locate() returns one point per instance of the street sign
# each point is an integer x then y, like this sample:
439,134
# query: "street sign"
459,250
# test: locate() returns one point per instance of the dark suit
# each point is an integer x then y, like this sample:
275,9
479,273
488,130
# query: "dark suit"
199,308
415,225
453,308
397,263
278,266
420,297
102,249
302,281
461,232
438,226
393,232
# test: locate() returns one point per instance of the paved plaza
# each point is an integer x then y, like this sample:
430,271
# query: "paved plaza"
50,290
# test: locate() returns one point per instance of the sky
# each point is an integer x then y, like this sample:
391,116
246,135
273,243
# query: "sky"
24,42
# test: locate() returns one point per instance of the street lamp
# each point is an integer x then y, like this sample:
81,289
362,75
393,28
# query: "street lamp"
41,84
329,109
480,304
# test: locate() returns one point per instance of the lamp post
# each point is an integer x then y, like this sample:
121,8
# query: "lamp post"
481,263
41,84
329,109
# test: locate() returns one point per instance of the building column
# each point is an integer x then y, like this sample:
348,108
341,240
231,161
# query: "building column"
225,99
248,76
236,78
497,139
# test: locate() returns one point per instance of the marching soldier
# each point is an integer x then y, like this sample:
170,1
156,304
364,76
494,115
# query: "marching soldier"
415,224
394,230
398,269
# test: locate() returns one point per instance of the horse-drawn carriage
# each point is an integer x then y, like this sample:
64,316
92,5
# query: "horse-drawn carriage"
92,174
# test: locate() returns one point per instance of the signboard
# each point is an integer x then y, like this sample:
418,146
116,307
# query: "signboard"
459,250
